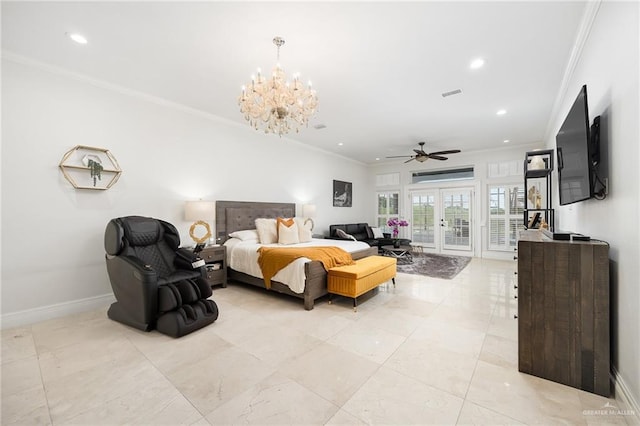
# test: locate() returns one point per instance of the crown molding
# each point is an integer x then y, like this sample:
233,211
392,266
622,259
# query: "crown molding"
590,12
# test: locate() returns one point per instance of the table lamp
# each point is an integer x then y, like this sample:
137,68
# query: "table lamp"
200,212
309,212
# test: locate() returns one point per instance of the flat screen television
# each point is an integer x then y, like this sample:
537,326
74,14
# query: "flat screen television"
576,154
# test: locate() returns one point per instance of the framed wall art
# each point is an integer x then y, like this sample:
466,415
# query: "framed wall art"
342,193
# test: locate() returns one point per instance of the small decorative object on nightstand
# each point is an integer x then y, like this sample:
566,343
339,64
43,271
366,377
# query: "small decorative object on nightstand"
215,258
200,212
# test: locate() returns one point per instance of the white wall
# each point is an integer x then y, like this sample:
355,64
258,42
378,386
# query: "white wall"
53,257
609,66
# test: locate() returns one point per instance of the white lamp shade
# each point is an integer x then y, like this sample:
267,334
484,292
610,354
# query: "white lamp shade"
200,210
309,210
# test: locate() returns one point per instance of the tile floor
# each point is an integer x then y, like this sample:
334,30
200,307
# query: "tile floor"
428,351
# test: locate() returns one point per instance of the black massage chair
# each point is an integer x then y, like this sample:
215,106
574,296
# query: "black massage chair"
153,280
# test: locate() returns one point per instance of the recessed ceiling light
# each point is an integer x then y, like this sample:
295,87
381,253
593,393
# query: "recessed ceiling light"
377,158
476,63
78,38
501,112
340,144
506,141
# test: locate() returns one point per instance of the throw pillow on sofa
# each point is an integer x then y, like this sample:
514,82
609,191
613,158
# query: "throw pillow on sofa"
377,233
340,233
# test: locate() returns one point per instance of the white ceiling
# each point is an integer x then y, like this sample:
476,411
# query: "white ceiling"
379,68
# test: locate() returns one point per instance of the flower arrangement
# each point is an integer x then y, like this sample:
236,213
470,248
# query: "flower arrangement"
395,225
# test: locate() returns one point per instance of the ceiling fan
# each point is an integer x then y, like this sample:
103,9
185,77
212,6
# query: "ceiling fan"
422,156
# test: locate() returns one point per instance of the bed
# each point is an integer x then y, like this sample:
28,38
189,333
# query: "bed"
234,216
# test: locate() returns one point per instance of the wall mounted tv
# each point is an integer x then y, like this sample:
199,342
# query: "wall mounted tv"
578,153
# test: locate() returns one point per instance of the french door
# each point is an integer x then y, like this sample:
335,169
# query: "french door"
442,219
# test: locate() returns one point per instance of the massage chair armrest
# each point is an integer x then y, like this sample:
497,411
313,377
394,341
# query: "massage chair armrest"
131,266
185,258
135,286
187,254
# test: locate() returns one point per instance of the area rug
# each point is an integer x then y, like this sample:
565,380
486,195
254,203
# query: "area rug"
435,265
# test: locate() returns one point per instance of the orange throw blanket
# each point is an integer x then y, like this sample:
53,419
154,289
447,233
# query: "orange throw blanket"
273,259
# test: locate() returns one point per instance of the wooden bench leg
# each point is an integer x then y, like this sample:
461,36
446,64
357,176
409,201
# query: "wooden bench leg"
393,280
355,304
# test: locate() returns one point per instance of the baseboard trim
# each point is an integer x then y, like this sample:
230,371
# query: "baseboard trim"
499,255
30,316
623,394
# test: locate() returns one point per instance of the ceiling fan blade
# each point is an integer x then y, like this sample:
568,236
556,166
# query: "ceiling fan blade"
451,151
422,156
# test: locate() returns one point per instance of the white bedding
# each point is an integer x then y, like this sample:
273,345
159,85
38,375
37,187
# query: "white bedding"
242,256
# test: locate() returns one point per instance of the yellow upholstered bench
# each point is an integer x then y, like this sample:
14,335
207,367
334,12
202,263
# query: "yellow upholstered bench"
366,274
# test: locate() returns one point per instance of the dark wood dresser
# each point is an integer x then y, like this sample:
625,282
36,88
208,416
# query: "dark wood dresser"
563,311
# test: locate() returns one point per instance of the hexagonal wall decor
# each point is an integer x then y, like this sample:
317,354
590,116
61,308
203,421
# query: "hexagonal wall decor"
86,167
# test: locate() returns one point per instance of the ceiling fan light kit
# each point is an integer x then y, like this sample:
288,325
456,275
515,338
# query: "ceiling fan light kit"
422,156
277,105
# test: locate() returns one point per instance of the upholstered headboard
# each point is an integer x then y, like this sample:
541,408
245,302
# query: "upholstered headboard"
239,215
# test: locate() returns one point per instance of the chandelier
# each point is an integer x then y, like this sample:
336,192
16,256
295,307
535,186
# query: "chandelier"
275,104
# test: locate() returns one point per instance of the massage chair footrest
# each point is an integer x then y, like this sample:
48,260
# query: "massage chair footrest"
187,318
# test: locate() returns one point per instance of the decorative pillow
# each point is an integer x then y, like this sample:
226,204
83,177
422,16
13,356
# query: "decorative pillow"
340,233
369,232
248,234
304,229
287,231
377,233
267,230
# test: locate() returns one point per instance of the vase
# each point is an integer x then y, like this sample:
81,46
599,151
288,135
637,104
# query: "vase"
396,243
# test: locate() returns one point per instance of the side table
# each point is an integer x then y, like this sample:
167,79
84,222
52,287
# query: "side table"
215,258
402,254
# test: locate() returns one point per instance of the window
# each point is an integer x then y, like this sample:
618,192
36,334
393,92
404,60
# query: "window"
388,179
423,223
506,210
387,208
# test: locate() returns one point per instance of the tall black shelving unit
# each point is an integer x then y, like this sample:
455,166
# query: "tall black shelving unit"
538,166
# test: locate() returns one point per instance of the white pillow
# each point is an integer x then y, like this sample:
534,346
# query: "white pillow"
248,234
267,230
287,231
231,243
304,230
377,233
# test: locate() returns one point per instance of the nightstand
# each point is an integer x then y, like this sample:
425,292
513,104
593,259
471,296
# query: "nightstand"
215,258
